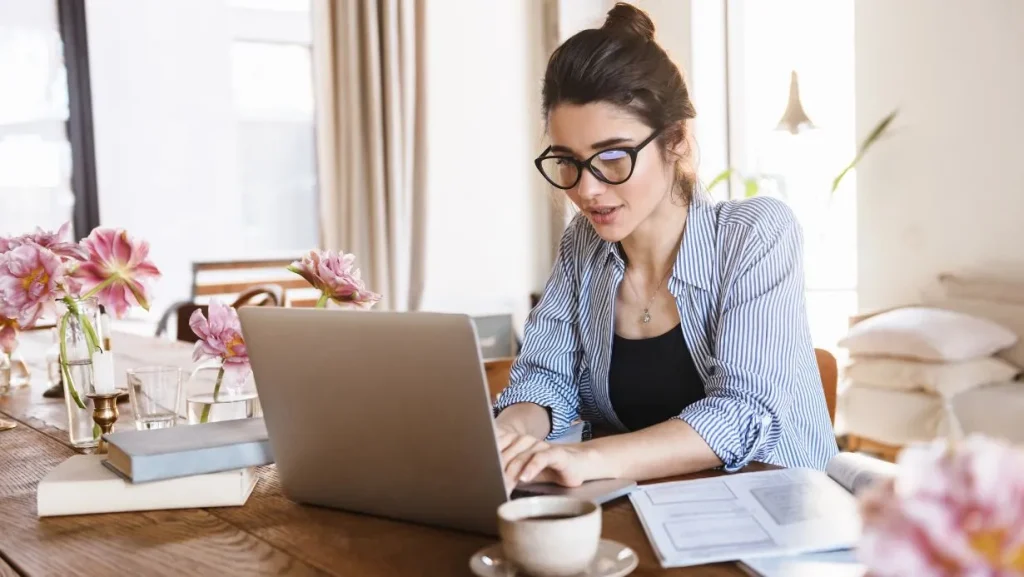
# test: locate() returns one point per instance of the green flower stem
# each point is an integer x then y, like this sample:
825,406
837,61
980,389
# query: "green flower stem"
65,372
92,345
216,390
321,303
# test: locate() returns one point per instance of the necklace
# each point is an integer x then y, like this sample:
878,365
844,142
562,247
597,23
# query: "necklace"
646,318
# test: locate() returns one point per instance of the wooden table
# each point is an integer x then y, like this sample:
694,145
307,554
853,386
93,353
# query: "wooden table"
270,535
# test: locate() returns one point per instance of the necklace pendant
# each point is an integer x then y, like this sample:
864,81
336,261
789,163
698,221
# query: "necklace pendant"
647,317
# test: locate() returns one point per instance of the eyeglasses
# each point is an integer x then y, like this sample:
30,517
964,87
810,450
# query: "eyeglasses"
612,166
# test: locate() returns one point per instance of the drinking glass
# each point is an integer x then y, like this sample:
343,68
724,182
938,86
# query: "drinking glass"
155,393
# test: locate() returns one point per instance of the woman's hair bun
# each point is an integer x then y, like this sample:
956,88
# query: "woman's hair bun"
628,20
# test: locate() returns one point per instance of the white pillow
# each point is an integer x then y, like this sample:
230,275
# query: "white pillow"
945,379
927,334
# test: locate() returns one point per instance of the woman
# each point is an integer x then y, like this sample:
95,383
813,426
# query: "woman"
675,321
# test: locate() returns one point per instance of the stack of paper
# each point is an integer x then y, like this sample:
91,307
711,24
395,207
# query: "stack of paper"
746,516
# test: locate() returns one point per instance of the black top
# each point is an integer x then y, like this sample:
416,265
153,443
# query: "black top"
652,380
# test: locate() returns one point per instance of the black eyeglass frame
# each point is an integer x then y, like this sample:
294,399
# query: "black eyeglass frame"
632,151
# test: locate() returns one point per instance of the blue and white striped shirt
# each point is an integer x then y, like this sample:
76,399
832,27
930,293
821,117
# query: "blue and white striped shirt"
739,287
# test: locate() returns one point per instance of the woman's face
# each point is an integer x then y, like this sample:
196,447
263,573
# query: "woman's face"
615,211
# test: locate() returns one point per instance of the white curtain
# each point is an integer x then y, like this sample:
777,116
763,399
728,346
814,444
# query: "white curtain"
368,59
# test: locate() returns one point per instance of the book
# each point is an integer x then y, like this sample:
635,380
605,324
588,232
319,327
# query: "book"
82,485
182,451
747,516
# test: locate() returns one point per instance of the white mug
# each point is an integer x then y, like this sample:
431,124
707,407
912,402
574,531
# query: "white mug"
550,536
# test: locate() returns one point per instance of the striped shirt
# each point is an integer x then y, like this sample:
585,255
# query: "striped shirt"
739,287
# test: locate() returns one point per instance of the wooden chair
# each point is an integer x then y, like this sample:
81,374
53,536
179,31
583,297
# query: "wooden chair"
263,295
828,370
229,279
497,371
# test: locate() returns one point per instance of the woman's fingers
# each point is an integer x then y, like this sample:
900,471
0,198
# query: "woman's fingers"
517,446
506,438
535,463
515,464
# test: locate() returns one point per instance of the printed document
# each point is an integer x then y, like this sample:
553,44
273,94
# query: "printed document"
747,515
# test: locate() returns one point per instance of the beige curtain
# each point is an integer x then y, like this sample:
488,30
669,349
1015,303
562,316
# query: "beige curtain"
368,61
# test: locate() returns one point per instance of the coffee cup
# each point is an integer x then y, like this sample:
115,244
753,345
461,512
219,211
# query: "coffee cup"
550,536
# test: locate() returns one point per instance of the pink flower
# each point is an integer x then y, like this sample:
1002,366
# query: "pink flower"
59,242
336,277
5,244
116,271
220,336
952,511
8,335
32,278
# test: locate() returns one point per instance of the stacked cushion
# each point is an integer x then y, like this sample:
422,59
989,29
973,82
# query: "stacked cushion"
930,349
913,369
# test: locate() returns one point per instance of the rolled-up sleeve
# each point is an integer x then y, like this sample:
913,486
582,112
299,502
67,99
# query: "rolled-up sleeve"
762,345
547,368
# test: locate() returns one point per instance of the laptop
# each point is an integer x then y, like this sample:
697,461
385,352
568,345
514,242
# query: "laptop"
386,414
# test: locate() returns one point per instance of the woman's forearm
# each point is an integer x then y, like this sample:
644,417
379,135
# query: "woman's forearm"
662,450
526,419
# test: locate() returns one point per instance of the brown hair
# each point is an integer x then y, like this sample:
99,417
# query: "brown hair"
621,63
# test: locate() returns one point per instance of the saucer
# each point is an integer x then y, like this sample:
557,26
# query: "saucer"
613,559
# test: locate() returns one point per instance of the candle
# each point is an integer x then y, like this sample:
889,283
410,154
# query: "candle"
103,372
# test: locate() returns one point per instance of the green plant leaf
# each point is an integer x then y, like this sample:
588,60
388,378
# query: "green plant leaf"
750,187
721,177
872,137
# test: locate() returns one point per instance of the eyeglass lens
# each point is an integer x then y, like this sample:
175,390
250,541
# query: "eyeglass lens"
612,166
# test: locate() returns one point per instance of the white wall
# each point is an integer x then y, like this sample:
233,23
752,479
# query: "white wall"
945,191
487,230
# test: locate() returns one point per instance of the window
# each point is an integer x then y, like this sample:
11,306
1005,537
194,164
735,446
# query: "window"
273,92
768,41
35,155
204,129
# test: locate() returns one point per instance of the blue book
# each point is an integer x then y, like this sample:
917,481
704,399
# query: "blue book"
186,450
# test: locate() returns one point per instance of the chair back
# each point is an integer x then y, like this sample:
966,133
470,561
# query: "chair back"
497,371
260,296
228,280
828,370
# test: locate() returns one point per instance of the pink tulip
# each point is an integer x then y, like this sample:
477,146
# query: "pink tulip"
220,336
117,271
336,277
952,511
8,335
32,278
59,242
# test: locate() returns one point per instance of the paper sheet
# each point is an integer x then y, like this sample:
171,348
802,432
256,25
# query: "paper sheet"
767,513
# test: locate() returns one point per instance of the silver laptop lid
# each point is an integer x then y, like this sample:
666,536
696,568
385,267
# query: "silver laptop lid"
383,413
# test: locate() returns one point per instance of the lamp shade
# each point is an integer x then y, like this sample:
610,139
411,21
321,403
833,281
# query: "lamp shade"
794,119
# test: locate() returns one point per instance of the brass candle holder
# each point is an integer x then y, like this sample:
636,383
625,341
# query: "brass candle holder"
104,414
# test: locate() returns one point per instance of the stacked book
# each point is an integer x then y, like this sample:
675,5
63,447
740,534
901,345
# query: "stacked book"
184,467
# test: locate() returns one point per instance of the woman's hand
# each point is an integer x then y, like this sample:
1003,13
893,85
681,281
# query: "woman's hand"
528,459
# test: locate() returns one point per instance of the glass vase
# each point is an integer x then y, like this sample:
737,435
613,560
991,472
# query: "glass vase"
5,373
21,376
79,333
221,392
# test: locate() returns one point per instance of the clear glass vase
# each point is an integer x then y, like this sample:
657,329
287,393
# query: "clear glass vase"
5,373
79,333
221,392
21,376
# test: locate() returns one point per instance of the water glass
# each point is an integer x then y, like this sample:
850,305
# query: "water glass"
155,393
